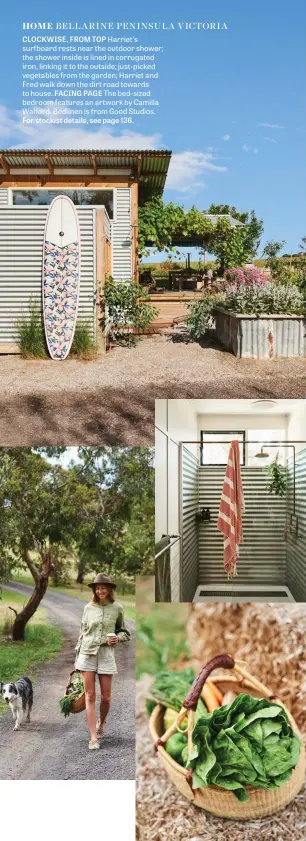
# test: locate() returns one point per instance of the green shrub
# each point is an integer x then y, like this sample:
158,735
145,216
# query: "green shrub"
30,333
128,308
201,314
83,345
272,298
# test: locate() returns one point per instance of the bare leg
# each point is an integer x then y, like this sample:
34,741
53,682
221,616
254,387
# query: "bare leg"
106,692
89,679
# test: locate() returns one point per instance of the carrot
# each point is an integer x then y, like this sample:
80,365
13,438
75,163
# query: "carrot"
216,690
209,697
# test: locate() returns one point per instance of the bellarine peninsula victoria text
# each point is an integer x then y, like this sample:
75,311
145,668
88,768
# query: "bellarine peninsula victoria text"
125,25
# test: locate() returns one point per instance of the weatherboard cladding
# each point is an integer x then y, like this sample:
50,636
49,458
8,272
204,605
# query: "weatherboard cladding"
262,557
21,246
189,527
296,546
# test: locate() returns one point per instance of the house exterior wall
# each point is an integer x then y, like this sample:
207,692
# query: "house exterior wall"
21,244
121,236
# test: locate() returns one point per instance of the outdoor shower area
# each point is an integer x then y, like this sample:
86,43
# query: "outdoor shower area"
193,438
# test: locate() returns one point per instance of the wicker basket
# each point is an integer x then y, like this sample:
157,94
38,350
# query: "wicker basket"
78,705
214,799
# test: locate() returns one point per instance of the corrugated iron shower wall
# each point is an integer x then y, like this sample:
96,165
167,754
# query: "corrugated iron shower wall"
263,553
189,505
296,546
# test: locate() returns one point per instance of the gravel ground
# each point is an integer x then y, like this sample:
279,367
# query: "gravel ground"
55,748
111,400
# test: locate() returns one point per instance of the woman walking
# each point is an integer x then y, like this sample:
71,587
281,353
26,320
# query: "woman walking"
102,628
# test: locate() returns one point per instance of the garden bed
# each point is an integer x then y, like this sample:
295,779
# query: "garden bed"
261,337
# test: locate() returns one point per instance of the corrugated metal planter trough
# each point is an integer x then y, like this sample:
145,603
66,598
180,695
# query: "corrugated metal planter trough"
261,337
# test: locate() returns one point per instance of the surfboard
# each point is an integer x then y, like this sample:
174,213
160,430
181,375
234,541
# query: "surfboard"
61,276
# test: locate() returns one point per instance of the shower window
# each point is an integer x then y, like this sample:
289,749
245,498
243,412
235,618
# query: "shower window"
213,453
78,196
264,436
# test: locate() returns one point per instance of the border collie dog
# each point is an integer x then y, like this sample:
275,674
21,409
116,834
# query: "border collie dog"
19,697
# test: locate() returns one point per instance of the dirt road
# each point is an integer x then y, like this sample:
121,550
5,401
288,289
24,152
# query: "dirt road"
111,400
55,748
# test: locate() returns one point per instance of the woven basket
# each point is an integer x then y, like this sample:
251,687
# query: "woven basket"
214,799
78,705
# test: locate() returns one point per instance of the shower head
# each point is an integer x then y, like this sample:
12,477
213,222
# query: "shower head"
262,454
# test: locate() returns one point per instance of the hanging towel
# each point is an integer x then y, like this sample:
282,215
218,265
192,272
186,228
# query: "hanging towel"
231,509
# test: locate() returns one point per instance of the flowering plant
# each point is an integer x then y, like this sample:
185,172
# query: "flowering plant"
245,276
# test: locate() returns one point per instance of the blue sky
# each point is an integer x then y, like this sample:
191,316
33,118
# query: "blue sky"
232,103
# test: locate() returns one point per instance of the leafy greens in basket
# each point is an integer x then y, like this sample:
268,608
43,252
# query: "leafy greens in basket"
170,687
73,692
247,743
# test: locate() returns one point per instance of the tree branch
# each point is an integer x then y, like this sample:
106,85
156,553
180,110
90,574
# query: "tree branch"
13,609
30,564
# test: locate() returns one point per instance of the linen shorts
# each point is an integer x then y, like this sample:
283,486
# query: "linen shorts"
103,663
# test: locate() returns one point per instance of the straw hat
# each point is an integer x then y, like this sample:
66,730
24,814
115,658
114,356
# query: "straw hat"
102,579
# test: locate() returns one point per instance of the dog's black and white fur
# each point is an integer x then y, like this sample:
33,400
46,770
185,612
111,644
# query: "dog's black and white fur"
19,697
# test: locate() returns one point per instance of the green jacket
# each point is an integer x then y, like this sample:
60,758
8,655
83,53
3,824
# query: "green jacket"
98,621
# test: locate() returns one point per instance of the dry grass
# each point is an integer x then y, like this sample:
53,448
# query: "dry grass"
270,638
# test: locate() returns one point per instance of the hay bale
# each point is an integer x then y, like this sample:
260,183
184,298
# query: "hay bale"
270,638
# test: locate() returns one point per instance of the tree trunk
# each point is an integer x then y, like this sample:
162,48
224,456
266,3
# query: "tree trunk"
81,571
41,583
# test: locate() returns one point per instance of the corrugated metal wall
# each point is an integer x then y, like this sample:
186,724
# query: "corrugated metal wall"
262,554
296,546
3,196
175,572
189,504
21,244
122,236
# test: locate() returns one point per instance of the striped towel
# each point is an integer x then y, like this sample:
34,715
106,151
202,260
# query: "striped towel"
231,509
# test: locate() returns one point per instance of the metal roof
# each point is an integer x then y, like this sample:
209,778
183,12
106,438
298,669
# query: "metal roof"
153,164
234,223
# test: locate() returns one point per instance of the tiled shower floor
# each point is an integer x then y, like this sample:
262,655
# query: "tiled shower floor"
241,593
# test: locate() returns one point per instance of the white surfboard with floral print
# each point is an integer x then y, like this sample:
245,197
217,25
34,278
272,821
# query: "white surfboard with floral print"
61,276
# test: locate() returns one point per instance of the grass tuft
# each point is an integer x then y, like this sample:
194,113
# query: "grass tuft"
83,345
30,333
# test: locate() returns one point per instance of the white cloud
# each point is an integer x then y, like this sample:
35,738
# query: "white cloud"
51,136
247,148
270,125
270,139
186,169
226,137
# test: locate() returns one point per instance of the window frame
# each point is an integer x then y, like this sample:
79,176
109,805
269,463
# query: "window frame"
222,433
54,187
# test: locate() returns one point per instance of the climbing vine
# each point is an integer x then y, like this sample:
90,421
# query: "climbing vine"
161,225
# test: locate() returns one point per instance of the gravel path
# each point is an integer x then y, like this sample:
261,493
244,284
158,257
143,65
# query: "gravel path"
55,748
111,400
